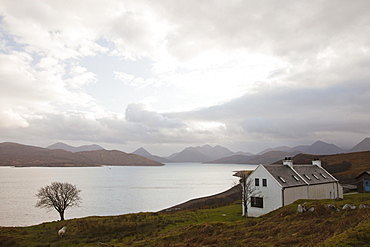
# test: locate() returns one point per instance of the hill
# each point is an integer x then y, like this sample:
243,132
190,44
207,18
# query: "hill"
216,226
345,166
143,152
14,154
364,145
265,158
320,148
200,154
117,158
63,146
270,155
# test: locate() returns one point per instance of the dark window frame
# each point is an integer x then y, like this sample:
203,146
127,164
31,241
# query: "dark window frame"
264,182
256,182
257,202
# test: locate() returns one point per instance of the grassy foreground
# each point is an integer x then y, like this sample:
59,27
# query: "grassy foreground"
220,226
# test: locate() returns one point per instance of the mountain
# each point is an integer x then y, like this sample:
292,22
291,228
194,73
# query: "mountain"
14,154
281,148
143,152
320,148
190,155
200,154
364,145
66,147
300,148
117,158
265,158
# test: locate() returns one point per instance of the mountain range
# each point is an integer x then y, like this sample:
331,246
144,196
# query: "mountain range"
63,146
14,154
61,154
218,154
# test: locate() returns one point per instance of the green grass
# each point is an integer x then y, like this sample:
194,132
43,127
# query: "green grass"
219,226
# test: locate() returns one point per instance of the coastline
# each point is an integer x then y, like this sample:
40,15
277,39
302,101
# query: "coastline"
228,196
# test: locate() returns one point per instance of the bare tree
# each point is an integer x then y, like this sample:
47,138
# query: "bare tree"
59,196
248,190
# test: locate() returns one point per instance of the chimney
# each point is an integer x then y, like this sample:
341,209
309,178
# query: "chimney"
316,162
288,162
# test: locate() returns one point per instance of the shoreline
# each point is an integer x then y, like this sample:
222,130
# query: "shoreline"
228,196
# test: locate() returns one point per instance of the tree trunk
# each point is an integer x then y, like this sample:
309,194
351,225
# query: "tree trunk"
246,211
61,213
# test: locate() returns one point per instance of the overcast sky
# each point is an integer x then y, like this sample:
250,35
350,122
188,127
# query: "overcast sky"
165,75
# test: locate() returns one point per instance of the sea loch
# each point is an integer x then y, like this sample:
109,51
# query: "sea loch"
110,190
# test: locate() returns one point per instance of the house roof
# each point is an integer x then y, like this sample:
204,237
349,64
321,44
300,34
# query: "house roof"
284,175
299,175
365,172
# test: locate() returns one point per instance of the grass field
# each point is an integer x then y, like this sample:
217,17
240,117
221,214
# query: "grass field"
219,226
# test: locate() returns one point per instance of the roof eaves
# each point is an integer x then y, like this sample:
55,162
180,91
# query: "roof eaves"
362,173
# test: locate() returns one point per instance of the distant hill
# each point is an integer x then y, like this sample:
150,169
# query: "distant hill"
200,154
281,148
14,154
364,145
117,158
66,147
190,155
320,148
265,158
218,154
143,152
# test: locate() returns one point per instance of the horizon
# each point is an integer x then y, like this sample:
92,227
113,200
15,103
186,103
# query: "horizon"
246,75
165,156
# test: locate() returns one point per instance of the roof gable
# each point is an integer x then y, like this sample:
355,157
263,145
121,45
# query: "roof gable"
284,175
363,174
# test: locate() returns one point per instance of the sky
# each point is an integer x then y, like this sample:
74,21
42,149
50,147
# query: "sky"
166,75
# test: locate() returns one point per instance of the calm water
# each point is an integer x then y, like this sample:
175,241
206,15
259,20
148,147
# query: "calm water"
111,190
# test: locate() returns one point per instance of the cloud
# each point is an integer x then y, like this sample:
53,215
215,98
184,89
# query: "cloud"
215,71
139,114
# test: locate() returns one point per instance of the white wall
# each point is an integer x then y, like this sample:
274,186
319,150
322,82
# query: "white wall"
325,191
272,198
292,194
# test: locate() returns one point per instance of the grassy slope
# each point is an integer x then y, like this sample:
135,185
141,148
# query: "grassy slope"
221,226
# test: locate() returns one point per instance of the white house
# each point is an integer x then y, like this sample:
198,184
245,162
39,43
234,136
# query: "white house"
280,185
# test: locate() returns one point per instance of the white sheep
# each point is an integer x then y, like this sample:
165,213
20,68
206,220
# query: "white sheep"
62,231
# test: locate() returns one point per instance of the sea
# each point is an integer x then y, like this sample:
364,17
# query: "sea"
110,190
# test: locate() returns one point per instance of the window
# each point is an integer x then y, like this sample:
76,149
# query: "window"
282,179
257,202
307,177
257,182
295,177
264,182
315,176
322,175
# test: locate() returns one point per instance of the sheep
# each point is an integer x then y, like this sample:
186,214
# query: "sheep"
62,231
